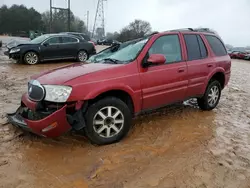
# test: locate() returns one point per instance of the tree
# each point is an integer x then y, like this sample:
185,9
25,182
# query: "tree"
18,19
134,30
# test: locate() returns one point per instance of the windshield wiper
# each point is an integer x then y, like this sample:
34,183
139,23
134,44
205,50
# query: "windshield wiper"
115,61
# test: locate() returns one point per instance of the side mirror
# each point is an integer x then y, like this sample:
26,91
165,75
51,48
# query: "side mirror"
156,59
46,44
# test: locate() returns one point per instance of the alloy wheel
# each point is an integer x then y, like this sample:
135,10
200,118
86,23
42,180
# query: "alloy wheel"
213,95
31,58
108,122
82,56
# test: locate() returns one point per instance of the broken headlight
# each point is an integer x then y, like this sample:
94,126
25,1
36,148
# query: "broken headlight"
57,93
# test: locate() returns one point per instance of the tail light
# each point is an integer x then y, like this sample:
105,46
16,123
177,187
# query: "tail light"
92,43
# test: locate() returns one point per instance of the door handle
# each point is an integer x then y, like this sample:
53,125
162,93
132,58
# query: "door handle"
210,65
180,70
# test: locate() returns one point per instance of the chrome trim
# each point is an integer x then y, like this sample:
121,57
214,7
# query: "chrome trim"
78,41
36,83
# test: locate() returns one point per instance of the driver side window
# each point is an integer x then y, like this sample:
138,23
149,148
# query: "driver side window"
169,46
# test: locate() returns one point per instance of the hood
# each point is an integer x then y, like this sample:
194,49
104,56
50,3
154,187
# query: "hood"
64,74
16,43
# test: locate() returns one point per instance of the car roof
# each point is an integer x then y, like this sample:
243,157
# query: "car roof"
206,31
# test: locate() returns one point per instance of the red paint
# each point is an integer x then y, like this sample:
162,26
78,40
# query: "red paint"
148,88
59,117
27,102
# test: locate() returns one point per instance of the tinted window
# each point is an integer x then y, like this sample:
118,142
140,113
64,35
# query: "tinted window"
193,48
86,37
69,40
53,40
203,49
169,46
216,45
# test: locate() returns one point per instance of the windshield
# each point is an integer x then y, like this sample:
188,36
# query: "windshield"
109,51
129,52
39,39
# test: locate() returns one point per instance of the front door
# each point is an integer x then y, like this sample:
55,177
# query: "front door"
50,49
167,83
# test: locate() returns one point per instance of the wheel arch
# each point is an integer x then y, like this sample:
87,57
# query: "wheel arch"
220,77
124,94
31,50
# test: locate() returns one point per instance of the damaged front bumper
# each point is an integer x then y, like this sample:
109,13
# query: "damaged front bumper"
48,124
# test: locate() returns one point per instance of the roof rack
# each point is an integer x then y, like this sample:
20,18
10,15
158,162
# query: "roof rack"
206,30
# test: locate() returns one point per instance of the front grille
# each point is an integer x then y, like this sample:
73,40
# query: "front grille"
36,91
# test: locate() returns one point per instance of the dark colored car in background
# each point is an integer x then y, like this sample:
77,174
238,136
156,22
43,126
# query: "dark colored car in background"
108,42
52,47
81,35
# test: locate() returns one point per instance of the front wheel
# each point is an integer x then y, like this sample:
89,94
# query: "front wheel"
211,97
107,121
31,58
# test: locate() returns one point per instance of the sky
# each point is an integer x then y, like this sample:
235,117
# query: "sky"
230,18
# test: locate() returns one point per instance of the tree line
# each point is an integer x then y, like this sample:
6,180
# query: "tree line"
18,20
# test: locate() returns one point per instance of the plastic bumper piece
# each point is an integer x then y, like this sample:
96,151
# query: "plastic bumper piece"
52,126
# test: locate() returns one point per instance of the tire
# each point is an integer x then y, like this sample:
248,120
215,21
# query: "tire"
119,113
82,56
206,103
31,58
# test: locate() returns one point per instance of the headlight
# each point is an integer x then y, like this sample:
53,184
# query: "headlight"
14,50
57,93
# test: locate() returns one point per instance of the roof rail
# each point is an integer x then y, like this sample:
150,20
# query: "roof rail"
207,30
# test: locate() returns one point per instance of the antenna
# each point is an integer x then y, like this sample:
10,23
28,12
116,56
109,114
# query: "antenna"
99,17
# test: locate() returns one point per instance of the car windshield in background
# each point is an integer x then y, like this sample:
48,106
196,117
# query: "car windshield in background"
126,53
39,39
130,52
108,52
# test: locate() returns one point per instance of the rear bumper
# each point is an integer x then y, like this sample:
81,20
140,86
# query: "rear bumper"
52,125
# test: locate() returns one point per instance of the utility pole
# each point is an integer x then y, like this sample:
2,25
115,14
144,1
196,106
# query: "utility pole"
88,21
99,16
58,8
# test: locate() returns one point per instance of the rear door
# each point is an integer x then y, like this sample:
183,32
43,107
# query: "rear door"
69,47
198,63
167,83
50,48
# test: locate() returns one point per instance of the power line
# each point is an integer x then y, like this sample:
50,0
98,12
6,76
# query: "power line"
58,8
99,17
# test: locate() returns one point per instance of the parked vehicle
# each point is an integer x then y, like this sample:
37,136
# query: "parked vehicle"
102,98
108,42
247,56
238,55
233,54
52,47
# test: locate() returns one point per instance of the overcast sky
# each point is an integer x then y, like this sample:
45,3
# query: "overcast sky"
230,18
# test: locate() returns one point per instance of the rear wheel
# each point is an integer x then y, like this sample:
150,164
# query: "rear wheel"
31,58
107,121
82,56
211,97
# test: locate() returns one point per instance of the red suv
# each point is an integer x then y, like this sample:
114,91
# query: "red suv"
101,98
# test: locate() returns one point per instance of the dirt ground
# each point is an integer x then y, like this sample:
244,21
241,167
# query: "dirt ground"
179,146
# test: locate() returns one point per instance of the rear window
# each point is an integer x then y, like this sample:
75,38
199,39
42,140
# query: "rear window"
216,45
